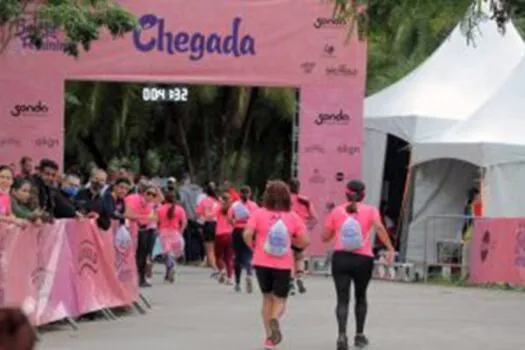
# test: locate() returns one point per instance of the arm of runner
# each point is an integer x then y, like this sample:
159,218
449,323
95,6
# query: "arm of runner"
300,239
248,236
385,238
329,228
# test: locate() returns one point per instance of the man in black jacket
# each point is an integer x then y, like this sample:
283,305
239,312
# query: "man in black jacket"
43,182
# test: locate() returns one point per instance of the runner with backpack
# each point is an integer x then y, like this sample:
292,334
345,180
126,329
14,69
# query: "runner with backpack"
350,227
273,229
239,214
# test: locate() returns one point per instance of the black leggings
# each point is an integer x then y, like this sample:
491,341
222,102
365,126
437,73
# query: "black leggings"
348,267
243,255
145,244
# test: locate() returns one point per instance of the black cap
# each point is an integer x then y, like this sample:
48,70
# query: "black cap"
355,186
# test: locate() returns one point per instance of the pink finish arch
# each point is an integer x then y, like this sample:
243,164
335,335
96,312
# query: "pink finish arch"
240,42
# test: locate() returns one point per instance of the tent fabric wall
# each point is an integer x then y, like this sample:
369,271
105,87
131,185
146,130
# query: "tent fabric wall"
440,193
374,150
504,189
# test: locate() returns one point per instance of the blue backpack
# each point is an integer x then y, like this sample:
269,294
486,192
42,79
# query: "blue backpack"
277,242
351,234
240,211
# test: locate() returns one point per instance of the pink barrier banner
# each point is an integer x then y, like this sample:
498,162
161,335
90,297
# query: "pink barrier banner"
498,251
63,270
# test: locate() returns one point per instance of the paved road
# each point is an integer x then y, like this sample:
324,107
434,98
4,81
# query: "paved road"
198,314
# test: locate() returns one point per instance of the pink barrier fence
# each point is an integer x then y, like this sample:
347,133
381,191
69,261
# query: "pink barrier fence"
64,270
497,252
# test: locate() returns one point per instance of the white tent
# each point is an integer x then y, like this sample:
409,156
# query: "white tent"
491,139
448,87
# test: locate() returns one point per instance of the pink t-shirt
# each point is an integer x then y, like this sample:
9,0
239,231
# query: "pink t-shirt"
5,204
240,212
366,215
223,225
208,208
260,222
300,208
175,222
138,206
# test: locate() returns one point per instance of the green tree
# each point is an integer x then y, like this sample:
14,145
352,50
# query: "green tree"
81,21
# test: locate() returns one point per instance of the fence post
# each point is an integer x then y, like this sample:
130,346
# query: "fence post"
425,253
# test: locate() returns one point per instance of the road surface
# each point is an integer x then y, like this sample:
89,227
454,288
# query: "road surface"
198,314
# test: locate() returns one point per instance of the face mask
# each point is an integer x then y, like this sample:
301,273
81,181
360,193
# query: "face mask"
70,191
171,187
96,187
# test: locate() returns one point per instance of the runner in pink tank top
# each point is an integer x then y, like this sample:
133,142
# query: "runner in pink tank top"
172,223
239,213
303,207
349,226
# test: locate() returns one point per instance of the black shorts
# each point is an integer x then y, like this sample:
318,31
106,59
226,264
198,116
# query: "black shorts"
208,231
274,281
297,249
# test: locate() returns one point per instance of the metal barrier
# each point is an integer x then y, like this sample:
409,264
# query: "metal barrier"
444,250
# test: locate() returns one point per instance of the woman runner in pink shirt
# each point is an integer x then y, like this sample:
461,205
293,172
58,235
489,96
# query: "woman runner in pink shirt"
350,226
172,222
223,242
305,209
239,214
207,210
275,227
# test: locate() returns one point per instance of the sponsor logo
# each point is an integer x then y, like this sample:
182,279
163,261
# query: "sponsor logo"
485,246
46,142
154,35
26,24
10,141
39,109
87,259
519,260
317,178
329,51
340,118
341,70
316,148
308,67
339,176
329,23
351,150
328,207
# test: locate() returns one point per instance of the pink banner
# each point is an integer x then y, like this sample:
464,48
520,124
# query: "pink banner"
330,138
64,270
498,251
233,42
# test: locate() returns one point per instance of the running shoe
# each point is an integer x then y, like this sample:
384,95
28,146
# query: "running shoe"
300,286
215,274
292,287
249,285
171,276
342,342
360,341
275,332
228,282
222,277
237,288
268,344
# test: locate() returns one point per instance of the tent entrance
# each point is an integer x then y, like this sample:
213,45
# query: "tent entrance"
394,181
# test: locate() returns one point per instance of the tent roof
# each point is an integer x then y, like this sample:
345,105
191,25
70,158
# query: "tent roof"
494,134
449,86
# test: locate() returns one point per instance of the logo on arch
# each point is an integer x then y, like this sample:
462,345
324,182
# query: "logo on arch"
154,34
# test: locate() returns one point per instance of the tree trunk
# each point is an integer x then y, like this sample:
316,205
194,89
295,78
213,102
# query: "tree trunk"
185,146
246,128
206,145
91,147
228,112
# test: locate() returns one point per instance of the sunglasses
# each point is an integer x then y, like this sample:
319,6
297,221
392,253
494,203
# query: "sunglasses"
151,194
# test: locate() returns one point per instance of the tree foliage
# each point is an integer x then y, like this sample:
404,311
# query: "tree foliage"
80,21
